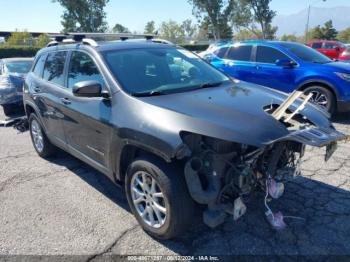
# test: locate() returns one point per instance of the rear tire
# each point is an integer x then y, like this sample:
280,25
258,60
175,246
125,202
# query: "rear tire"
322,97
41,143
176,205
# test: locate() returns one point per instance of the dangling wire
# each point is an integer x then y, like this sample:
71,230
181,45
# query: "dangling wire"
269,211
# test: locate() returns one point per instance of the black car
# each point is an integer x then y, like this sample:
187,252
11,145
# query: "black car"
174,130
12,74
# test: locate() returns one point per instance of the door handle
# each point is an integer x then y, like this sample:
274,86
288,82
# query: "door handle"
257,67
66,101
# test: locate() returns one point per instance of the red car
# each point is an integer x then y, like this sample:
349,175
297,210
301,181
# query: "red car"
332,49
345,56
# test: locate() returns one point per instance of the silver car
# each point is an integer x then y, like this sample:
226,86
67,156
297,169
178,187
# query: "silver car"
12,74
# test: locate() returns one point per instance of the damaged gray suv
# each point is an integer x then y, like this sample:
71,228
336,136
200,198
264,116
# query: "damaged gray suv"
175,131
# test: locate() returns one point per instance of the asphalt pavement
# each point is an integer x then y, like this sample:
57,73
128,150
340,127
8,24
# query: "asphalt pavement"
62,206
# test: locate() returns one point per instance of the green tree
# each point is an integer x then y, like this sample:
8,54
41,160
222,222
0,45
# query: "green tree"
245,34
20,38
289,38
83,15
344,35
172,31
150,28
215,15
42,40
326,32
118,28
251,14
189,28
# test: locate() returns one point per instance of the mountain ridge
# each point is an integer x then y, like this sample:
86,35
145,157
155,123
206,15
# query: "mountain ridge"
296,23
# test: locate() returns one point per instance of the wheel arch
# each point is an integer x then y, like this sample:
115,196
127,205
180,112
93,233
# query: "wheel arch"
31,108
130,152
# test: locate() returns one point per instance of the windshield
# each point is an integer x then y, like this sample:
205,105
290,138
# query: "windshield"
305,53
20,67
161,71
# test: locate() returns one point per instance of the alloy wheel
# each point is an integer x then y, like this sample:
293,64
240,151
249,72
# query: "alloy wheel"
319,98
37,135
148,199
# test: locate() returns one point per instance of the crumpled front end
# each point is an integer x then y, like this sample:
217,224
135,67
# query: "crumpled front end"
222,174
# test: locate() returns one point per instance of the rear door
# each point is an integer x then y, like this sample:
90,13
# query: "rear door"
267,73
86,120
238,62
47,92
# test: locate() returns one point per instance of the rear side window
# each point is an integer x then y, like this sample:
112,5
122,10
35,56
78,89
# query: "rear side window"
316,45
240,53
329,46
54,68
82,68
221,52
269,55
39,66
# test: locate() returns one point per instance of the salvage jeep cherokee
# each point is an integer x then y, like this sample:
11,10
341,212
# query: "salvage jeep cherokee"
174,130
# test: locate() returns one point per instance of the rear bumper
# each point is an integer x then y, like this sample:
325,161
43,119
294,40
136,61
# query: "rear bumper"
343,106
11,99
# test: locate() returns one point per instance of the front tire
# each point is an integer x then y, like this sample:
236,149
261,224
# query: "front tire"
322,97
41,143
158,197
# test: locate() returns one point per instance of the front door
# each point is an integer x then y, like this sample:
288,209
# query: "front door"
332,50
86,120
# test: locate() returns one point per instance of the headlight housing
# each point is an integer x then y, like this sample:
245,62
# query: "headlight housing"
343,76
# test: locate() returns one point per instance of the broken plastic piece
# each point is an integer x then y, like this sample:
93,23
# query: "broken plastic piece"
276,220
239,209
275,189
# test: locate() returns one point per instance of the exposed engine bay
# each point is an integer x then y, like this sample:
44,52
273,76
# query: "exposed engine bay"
222,174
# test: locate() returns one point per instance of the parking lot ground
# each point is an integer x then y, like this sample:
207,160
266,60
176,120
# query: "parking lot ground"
62,206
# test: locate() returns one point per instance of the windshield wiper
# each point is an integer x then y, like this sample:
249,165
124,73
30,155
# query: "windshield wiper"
147,93
212,84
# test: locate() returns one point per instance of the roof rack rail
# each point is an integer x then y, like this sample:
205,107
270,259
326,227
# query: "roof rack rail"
93,38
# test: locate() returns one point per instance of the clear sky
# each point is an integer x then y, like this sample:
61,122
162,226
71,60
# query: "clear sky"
45,16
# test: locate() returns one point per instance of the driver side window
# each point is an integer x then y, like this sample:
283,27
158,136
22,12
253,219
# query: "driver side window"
83,68
269,55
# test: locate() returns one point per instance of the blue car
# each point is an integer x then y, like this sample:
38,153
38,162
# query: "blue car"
12,74
287,66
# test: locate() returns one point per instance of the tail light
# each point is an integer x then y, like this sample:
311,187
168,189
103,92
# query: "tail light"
345,55
5,82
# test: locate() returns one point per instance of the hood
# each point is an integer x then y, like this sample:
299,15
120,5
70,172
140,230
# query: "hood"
338,67
233,112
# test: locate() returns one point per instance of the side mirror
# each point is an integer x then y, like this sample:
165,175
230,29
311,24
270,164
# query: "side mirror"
285,62
87,89
337,48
